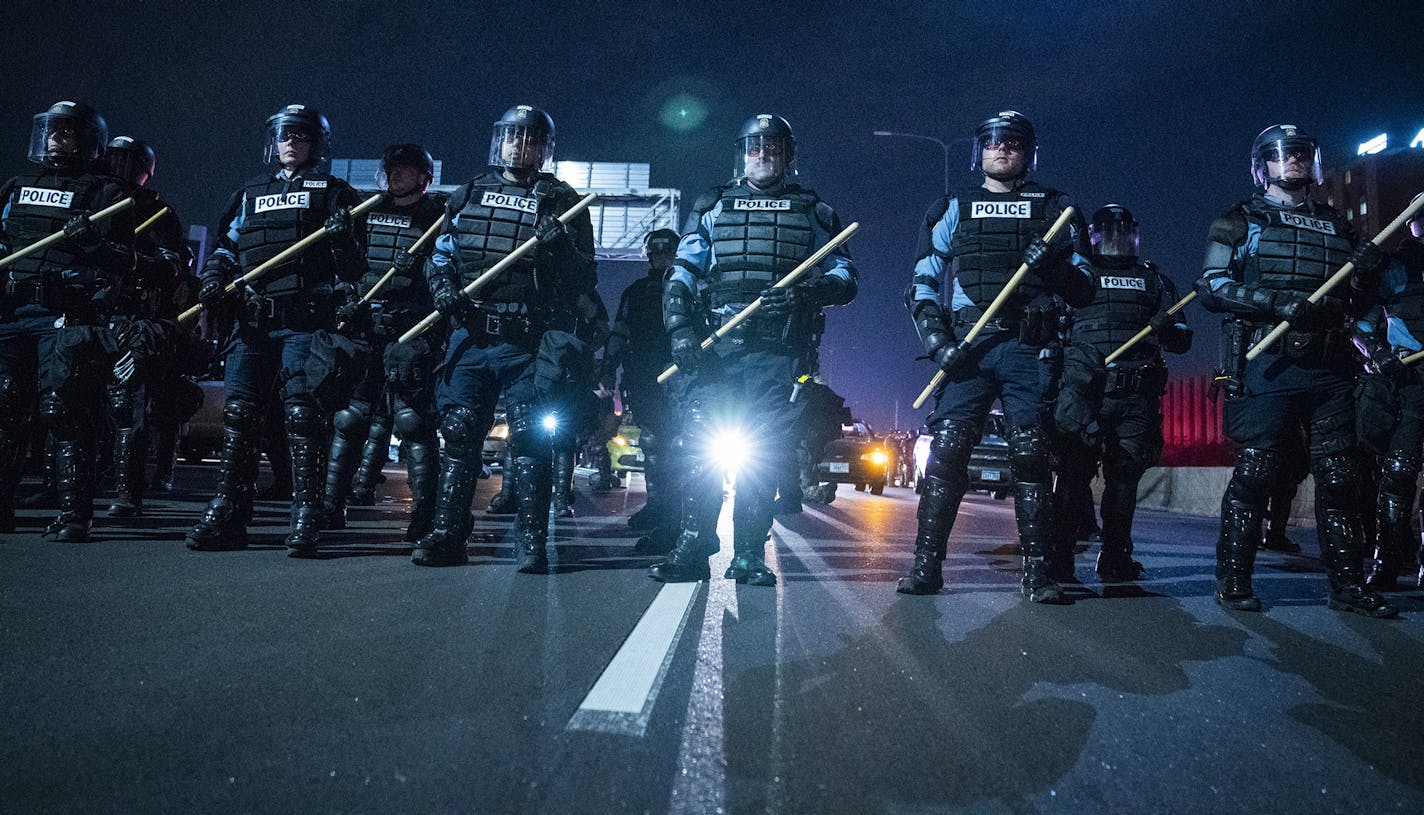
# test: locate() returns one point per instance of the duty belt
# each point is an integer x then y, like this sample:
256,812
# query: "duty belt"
489,323
1146,380
1300,343
27,293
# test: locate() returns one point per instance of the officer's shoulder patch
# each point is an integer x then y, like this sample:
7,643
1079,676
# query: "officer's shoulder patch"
1229,228
707,200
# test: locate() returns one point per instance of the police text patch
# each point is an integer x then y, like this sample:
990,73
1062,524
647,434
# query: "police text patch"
281,200
1134,283
41,197
500,200
1306,222
315,185
773,204
1001,209
388,219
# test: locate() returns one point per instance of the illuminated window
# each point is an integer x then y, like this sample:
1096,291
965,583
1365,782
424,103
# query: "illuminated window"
1364,207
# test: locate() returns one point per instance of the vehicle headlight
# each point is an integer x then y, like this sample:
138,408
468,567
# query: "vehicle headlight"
500,431
878,457
620,441
729,451
551,422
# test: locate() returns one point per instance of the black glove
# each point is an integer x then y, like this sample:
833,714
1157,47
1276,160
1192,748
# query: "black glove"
81,231
686,349
1039,255
949,357
407,265
452,302
339,224
552,233
1369,260
354,313
1388,364
1162,321
212,291
779,302
1301,313
254,306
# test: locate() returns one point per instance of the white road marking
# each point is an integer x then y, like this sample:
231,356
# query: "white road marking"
622,699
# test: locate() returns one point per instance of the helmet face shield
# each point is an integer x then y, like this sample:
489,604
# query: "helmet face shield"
57,138
131,160
521,146
292,128
412,166
1290,162
1004,146
765,157
1113,232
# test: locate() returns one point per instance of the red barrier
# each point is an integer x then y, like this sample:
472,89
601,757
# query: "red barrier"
1191,425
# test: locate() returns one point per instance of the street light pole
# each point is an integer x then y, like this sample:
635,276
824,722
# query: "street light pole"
940,142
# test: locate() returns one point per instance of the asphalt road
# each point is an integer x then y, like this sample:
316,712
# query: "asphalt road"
140,677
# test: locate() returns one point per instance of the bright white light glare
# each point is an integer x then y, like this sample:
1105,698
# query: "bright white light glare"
879,457
729,451
551,422
1418,139
1375,145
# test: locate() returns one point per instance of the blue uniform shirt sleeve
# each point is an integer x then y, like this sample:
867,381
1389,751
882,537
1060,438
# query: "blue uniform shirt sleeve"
930,267
695,256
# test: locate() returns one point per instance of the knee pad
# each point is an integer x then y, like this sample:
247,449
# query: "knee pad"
950,448
411,424
1254,477
241,415
53,410
122,399
352,419
1337,481
303,420
1398,475
1028,455
461,429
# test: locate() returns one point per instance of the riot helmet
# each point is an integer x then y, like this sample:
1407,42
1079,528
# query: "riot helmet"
1011,131
660,248
69,133
1416,224
297,123
1285,144
766,150
411,156
131,159
1113,232
523,139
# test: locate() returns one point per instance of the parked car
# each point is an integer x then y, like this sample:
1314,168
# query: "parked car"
858,457
624,451
988,463
497,440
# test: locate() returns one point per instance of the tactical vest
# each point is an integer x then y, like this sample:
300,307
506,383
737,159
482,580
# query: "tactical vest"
148,292
757,239
1125,297
278,212
988,242
41,202
1408,305
495,216
1296,250
648,345
390,230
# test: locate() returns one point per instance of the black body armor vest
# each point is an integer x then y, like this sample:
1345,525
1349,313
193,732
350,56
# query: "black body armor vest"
1296,250
988,242
1125,297
41,202
278,212
496,216
757,239
648,344
390,230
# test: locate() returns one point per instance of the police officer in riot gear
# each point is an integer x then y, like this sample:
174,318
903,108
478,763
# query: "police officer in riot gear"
57,302
161,287
639,346
395,381
1265,256
740,239
1390,333
281,315
1111,413
985,233
499,332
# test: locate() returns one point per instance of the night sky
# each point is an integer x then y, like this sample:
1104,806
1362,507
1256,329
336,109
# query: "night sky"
1152,105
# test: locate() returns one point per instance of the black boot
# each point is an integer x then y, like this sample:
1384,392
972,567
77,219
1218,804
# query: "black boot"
532,493
74,479
939,503
1117,566
749,562
502,503
687,562
1393,536
563,483
130,444
1033,513
374,455
658,541
459,472
1236,554
346,447
1119,506
303,437
223,525
1340,548
423,477
165,453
